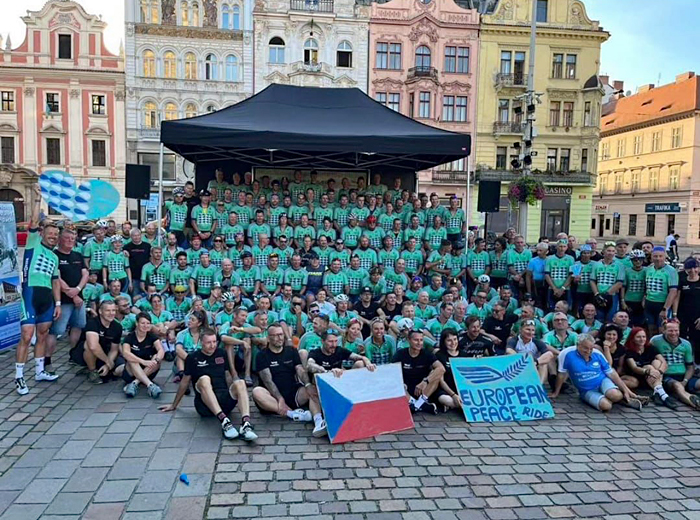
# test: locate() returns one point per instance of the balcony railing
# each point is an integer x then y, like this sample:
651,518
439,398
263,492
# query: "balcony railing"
320,6
422,72
508,127
549,177
517,80
450,177
149,132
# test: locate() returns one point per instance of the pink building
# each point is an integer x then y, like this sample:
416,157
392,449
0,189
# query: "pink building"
423,63
61,104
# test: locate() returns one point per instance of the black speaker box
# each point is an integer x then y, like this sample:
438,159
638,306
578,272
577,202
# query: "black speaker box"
489,197
138,181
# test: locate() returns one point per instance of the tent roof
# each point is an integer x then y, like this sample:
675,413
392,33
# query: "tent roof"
306,127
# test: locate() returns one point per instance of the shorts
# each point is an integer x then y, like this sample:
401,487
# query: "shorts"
70,315
690,387
37,306
223,396
652,311
290,398
594,397
76,355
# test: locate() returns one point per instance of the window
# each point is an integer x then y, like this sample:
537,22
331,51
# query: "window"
395,56
424,105
184,9
635,181
195,14
607,224
461,109
412,104
170,111
674,178
53,150
554,111
190,110
149,64
542,11
584,160
519,69
276,50
190,66
557,66
152,160
568,114
564,159
8,101
506,57
422,57
618,182
211,67
656,142
501,155
670,224
616,224
394,102
210,109
632,228
169,65
593,223
382,58
621,147
225,17
65,47
310,52
638,140
52,103
605,151
344,54
150,115
149,11
7,150
676,137
450,59
236,18
651,225
231,68
448,108
99,154
602,183
551,159
587,115
98,104
654,179
463,60
503,110
571,66
381,97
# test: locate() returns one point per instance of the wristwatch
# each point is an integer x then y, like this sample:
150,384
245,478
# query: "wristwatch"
425,380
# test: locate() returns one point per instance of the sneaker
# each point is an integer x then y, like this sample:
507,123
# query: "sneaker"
170,356
247,432
248,381
300,415
131,389
45,376
228,429
94,377
320,430
21,386
696,401
427,407
412,407
154,391
670,403
635,404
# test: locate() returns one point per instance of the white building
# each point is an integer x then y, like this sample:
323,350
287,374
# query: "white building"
183,58
320,43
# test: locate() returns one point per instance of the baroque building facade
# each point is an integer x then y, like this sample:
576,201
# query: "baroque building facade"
183,59
61,104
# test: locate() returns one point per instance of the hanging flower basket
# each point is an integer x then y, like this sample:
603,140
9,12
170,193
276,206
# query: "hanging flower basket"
525,190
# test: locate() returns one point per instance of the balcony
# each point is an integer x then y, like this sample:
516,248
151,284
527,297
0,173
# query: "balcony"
508,127
318,6
148,133
517,80
311,67
484,173
422,72
450,177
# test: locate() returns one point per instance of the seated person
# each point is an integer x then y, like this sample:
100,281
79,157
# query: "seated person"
526,343
679,380
331,358
421,371
143,353
643,365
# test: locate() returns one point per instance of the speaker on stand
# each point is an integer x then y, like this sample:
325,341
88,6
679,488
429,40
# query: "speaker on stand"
489,200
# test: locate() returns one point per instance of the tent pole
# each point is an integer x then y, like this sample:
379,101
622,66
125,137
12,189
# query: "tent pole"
159,212
469,194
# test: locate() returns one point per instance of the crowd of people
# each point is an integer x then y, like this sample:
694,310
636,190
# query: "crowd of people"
265,284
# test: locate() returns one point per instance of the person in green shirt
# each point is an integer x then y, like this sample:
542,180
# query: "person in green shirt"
156,271
361,210
284,252
341,213
478,262
257,228
271,277
220,215
204,218
607,277
262,252
299,209
557,273
518,259
435,235
116,265
560,336
414,230
455,222
176,215
296,276
380,347
218,253
678,353
249,275
335,281
297,187
437,262
498,258
171,250
388,255
327,231
633,290
367,255
435,290
217,185
95,250
342,316
377,188
304,229
181,274
413,257
194,251
179,304
322,211
661,288
442,321
387,217
341,253
358,277
588,324
396,276
581,272
275,211
352,232
374,234
244,212
231,229
202,279
479,307
284,229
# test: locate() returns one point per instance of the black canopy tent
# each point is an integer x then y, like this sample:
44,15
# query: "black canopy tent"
306,127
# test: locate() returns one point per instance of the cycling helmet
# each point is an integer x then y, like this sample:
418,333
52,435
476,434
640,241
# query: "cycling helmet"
637,253
178,191
405,324
342,298
101,223
484,278
227,297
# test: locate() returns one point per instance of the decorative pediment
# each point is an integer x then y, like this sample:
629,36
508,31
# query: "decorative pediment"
50,128
424,28
388,83
506,11
64,19
578,16
97,130
344,81
457,86
277,77
8,127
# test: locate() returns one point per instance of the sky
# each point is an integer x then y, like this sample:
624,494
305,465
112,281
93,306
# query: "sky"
648,37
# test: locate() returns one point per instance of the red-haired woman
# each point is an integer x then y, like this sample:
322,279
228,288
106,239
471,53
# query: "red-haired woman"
644,365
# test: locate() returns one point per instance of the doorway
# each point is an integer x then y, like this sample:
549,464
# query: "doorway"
17,200
555,216
601,225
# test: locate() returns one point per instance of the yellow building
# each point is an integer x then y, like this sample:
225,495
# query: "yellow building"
567,121
649,168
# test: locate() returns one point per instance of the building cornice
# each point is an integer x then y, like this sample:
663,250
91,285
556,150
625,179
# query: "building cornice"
559,33
649,124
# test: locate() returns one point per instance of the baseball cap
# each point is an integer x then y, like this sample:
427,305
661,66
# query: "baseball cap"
366,288
353,216
205,193
659,249
371,219
246,254
417,279
527,296
178,191
586,247
621,241
339,241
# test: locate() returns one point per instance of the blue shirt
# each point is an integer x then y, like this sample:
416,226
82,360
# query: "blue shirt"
536,267
585,375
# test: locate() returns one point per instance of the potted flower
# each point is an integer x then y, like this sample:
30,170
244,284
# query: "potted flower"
525,190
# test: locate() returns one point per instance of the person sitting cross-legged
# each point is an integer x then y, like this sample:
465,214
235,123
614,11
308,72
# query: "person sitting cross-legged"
143,353
207,368
330,357
422,373
679,379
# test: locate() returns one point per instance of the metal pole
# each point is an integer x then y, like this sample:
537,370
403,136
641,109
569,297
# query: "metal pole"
469,205
159,209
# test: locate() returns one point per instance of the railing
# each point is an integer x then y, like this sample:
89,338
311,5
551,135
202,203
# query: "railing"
553,177
450,177
422,72
508,127
148,132
321,6
511,80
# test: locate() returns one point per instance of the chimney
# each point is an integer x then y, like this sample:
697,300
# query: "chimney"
645,88
619,85
685,76
605,80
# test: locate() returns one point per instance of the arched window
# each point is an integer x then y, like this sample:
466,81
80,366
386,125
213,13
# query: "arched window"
185,13
190,110
190,66
225,17
236,18
210,109
276,50
344,54
231,68
195,14
211,67
311,52
149,64
169,65
150,119
170,111
423,57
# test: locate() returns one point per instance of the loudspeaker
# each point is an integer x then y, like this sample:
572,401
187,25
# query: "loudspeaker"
138,181
489,197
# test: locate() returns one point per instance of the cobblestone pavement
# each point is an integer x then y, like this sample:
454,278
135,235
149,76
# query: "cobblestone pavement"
73,450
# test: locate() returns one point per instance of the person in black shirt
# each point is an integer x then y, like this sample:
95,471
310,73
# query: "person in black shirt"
473,342
143,353
98,347
139,255
447,394
285,384
390,308
421,371
687,304
330,357
497,327
192,200
367,310
213,396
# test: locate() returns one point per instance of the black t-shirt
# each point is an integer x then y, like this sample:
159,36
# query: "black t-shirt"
368,313
335,360
108,335
645,358
390,314
282,367
143,349
198,364
689,307
479,347
71,267
139,255
499,328
414,369
445,359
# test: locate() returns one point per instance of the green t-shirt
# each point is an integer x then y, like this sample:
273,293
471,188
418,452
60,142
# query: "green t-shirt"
165,317
379,288
296,189
193,256
177,215
204,217
368,257
434,294
351,236
92,292
217,257
271,279
416,233
585,271
261,255
499,265
478,262
635,283
180,276
386,222
361,213
96,252
519,261
659,282
434,237
287,232
435,327
255,230
678,357
310,341
284,255
185,339
607,275
297,278
453,222
343,256
324,254
341,216
375,236
274,215
335,282
170,257
580,327
558,269
425,314
391,278
380,355
301,232
357,278
342,321
295,212
288,317
230,233
43,267
248,278
387,259
482,314
553,340
320,213
414,259
245,214
159,276
178,310
116,264
204,279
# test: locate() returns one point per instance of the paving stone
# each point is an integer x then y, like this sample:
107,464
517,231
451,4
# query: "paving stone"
69,503
41,491
74,450
23,512
186,508
98,457
199,486
115,490
86,479
104,511
157,482
149,502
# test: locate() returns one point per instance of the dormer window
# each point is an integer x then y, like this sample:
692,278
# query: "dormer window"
65,47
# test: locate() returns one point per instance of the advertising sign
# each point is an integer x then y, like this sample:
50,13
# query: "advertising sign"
10,304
